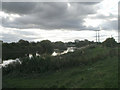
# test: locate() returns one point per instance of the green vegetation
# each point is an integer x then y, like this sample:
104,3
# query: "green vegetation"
95,66
60,45
102,74
110,42
22,48
47,63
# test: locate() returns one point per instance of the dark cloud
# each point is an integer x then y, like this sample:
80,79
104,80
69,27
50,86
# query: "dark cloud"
48,15
18,7
55,15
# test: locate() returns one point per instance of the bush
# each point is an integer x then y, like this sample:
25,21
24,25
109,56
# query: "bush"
110,42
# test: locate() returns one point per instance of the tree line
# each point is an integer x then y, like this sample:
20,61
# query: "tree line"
45,63
22,47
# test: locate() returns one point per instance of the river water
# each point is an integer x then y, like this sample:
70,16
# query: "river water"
6,62
69,49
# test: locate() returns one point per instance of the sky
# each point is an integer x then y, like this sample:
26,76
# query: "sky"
58,21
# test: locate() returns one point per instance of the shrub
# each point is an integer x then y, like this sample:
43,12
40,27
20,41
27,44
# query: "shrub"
110,42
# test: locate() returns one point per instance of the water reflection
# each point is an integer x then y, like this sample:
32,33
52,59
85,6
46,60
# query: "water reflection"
31,55
6,62
69,49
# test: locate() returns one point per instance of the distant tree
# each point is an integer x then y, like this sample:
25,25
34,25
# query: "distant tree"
86,42
82,43
110,42
60,45
47,47
23,42
33,44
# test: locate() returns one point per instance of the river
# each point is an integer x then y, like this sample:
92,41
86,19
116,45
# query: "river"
9,61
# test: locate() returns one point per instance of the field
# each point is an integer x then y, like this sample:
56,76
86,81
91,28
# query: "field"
101,74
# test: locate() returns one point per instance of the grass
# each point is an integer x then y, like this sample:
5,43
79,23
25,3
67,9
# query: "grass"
101,74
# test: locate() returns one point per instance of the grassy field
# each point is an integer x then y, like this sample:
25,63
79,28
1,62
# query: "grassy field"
101,74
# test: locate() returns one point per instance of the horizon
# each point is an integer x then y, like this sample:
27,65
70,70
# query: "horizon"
59,41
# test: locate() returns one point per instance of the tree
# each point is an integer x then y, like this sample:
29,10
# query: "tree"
60,45
110,42
23,42
47,47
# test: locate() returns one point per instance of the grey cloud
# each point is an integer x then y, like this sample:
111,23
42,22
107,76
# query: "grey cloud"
110,25
101,16
15,38
49,15
18,8
19,35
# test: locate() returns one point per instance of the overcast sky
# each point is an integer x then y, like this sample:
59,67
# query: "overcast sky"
58,21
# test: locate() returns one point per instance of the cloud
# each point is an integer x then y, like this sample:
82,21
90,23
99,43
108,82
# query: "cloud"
109,22
13,34
56,35
19,8
110,25
48,15
30,18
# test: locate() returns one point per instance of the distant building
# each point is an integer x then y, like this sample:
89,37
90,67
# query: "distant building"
77,41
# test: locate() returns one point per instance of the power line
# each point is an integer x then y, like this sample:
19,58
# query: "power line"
97,36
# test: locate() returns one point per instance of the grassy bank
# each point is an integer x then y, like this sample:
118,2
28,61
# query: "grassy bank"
102,74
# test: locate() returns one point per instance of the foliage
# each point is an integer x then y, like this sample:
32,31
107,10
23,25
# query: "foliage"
45,63
110,42
101,74
60,45
21,48
47,46
74,69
